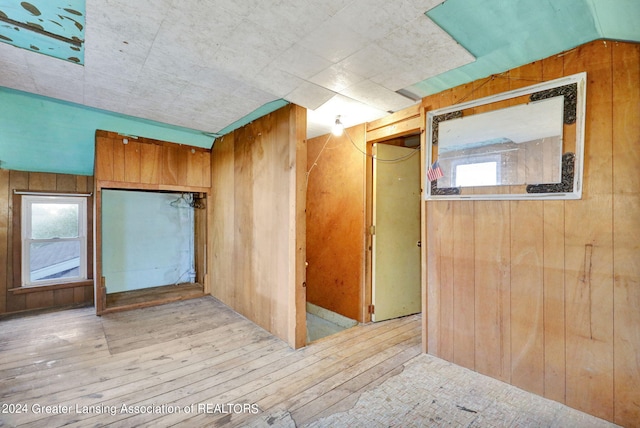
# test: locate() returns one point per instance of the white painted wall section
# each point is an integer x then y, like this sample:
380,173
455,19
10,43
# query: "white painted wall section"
146,241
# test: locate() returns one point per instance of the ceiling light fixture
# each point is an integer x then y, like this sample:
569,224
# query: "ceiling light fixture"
338,127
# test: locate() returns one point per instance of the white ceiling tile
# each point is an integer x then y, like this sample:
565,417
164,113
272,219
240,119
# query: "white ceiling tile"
370,61
196,33
44,64
135,23
254,94
56,78
114,64
13,60
331,7
13,54
98,80
155,91
150,81
373,94
109,51
201,63
370,19
410,9
178,67
336,78
150,112
234,108
240,67
421,5
149,7
60,87
397,77
300,62
309,95
16,77
334,41
104,99
293,19
245,53
275,81
198,95
217,80
426,47
242,9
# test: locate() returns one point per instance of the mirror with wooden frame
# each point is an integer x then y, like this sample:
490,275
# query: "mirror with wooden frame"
523,144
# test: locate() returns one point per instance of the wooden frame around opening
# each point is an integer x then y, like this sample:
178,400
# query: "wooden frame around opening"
136,163
404,123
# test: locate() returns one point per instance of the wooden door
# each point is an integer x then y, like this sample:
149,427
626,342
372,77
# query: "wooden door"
396,236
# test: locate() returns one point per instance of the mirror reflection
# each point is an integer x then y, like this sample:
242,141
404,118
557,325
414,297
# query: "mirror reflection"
511,146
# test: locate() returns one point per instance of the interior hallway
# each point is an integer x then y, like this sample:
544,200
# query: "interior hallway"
201,356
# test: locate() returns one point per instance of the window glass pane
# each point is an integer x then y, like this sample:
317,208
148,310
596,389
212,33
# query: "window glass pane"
50,221
50,260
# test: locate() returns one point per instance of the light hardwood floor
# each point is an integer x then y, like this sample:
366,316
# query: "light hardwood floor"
191,361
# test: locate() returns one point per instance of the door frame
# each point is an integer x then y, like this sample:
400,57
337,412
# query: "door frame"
410,121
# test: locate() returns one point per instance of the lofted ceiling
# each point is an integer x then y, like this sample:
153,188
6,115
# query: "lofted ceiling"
190,70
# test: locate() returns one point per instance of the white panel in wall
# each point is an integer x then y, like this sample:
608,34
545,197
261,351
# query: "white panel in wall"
146,242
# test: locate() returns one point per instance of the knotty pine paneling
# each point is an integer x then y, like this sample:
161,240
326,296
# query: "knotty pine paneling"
257,259
47,297
555,284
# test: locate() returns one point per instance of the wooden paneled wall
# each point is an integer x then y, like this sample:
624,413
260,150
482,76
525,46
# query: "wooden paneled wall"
546,294
144,163
257,222
45,297
336,218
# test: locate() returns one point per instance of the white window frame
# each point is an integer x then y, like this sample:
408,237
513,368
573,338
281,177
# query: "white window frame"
26,225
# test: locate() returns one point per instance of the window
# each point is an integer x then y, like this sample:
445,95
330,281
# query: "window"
54,239
477,174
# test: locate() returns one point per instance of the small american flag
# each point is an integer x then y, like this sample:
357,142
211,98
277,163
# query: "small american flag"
434,172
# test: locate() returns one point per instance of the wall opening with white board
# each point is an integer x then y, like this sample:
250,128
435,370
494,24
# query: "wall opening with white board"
148,239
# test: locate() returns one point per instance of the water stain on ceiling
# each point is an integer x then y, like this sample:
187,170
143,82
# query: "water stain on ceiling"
50,27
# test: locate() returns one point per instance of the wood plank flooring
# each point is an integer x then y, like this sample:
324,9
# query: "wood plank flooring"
187,363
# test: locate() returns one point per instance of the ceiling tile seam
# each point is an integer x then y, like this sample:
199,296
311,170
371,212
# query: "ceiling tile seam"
151,49
475,57
432,19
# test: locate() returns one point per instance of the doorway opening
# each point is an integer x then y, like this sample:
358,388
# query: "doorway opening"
395,232
335,216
